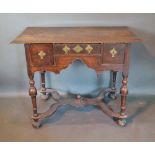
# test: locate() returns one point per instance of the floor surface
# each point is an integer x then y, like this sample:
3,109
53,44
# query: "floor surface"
77,124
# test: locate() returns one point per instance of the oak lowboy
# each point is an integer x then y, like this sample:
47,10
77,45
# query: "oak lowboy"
100,48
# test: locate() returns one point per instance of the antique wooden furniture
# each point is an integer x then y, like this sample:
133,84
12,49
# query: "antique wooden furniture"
100,48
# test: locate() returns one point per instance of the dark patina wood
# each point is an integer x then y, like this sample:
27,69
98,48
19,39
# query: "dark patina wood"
100,48
76,35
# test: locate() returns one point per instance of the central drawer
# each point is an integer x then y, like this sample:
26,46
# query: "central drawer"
77,49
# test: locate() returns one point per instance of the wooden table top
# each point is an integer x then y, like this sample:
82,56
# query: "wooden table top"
76,35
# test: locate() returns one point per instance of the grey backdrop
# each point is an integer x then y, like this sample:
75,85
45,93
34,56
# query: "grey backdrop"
77,78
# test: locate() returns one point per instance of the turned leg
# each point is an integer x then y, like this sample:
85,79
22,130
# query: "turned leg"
33,94
124,92
44,95
42,79
112,94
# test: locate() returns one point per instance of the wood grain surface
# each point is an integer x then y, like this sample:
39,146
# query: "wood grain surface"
76,35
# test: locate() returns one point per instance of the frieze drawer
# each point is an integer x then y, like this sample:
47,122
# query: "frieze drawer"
71,49
41,54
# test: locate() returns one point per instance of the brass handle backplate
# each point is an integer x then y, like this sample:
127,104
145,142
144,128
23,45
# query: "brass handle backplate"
113,52
42,54
89,49
77,48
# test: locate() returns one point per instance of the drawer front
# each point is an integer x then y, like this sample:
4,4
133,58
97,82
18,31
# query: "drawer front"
41,54
71,49
92,61
113,53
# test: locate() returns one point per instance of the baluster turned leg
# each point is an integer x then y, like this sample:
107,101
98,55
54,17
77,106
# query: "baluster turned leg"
44,95
112,94
33,94
43,82
124,92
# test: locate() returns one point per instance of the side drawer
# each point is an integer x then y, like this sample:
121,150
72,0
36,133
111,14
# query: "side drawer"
113,53
41,54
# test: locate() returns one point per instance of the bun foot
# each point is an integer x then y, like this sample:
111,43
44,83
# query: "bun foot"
36,124
121,122
112,96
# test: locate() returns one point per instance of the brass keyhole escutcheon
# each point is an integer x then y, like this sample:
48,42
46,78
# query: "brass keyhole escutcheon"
42,54
89,49
66,49
113,52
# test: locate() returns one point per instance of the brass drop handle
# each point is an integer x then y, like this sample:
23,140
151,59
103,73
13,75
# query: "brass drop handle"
42,54
113,52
